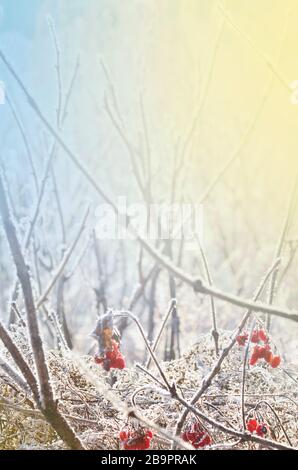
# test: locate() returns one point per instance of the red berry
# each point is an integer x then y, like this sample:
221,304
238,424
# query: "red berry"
262,429
138,440
255,337
263,352
206,441
146,442
197,436
252,425
275,361
112,359
127,446
113,352
189,436
203,439
268,354
263,336
118,362
241,339
254,359
110,356
123,435
98,360
197,427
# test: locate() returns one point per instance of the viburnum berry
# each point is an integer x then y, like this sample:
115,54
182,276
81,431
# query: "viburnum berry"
189,436
202,441
98,360
267,354
197,436
275,361
136,440
255,337
109,355
262,429
123,435
252,425
262,336
256,355
253,360
264,352
259,335
112,359
241,339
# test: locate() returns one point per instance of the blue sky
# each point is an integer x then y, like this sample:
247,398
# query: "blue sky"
25,40
19,15
18,23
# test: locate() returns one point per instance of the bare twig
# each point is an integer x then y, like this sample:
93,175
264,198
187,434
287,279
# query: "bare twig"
277,418
46,398
19,360
245,437
216,368
163,324
195,283
63,263
285,228
25,140
215,333
134,318
244,375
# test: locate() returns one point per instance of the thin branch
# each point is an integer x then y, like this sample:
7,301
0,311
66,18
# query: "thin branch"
46,398
134,318
14,376
284,231
277,419
245,437
25,140
217,367
163,324
129,147
244,375
19,360
195,283
70,90
215,333
51,157
58,69
146,372
63,263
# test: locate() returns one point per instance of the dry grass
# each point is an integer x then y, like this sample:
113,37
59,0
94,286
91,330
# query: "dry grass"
98,422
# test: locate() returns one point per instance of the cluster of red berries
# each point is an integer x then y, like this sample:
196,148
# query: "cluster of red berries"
259,352
197,436
136,440
241,339
112,359
259,335
254,426
264,352
256,337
